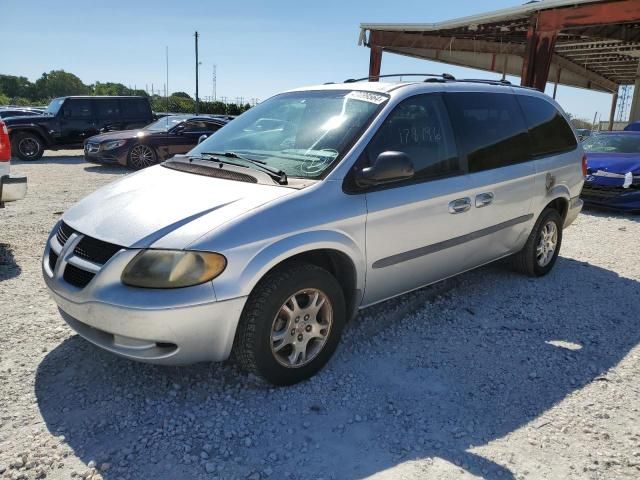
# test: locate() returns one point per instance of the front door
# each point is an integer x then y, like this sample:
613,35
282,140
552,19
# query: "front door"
77,121
416,229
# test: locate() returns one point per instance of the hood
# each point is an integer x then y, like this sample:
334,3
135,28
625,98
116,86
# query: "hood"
22,119
118,135
611,169
165,208
614,162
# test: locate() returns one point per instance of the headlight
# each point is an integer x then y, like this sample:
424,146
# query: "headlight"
113,144
172,268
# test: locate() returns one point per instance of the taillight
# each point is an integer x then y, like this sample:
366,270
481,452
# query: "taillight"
584,164
5,145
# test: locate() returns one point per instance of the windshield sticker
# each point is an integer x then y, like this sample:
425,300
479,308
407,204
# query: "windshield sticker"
315,166
366,97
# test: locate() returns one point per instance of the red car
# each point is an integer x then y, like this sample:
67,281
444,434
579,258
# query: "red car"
12,187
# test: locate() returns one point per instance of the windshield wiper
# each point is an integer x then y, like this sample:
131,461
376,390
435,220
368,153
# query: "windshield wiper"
277,174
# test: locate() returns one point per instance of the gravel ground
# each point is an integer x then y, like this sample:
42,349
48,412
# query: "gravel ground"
491,375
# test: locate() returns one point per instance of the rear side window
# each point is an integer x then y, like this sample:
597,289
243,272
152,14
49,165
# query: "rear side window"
419,127
135,107
77,108
108,108
550,132
489,128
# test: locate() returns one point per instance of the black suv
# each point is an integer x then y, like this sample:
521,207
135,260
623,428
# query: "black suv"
69,121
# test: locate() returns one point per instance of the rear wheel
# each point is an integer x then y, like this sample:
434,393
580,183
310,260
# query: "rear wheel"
540,253
291,324
27,146
141,156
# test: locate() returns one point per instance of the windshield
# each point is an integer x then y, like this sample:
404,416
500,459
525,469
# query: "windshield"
164,124
612,144
54,106
300,133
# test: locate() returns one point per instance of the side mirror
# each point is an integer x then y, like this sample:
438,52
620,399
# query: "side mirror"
202,138
388,167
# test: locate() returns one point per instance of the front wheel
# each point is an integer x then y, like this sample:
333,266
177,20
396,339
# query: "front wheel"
141,156
27,146
291,324
540,253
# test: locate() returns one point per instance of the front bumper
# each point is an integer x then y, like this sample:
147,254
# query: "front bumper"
12,187
612,196
115,156
172,327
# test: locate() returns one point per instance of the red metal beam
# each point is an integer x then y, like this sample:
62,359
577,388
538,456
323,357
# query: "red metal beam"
538,56
375,63
601,13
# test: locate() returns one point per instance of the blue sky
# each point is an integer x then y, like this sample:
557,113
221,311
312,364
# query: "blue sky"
260,47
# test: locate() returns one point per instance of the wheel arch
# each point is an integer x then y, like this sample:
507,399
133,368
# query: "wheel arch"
558,198
333,251
46,139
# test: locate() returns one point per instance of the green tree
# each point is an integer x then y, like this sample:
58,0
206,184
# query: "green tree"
58,83
181,95
13,86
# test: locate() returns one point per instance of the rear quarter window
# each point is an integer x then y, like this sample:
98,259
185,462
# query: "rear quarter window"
550,132
490,129
135,107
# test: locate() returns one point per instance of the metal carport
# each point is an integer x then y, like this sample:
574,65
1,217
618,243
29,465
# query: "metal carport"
593,44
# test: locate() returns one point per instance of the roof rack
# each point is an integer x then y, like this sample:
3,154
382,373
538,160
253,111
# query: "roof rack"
433,77
444,76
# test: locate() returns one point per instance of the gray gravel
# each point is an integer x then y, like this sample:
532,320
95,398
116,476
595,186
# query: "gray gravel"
490,375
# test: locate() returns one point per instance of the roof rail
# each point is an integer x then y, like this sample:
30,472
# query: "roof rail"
444,76
487,81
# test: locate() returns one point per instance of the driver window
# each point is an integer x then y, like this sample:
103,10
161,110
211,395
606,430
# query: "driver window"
419,127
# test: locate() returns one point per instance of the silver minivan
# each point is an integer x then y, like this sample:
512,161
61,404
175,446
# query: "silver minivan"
265,239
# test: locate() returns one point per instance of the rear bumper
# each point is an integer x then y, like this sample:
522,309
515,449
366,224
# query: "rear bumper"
575,206
12,187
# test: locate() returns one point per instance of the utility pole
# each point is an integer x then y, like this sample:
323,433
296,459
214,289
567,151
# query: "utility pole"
214,83
197,65
166,88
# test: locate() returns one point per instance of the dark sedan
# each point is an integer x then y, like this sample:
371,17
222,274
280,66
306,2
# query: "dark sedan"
6,112
158,141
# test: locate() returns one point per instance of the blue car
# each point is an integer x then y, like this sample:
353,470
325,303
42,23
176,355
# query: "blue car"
613,170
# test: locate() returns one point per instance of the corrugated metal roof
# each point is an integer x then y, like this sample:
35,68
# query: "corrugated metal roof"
511,13
598,56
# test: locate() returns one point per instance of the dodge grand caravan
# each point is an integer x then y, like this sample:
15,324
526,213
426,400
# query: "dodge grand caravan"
263,242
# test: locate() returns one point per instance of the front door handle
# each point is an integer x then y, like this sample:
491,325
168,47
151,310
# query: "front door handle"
484,199
460,205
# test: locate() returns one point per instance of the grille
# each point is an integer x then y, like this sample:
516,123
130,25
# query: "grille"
601,193
53,258
64,232
96,251
211,171
76,276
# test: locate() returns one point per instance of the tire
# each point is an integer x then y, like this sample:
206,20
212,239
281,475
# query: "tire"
27,146
269,339
529,260
141,156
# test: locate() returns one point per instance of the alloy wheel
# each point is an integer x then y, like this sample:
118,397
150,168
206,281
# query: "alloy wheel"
547,243
301,328
29,147
142,156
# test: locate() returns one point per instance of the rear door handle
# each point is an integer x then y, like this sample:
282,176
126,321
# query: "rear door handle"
484,199
460,205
